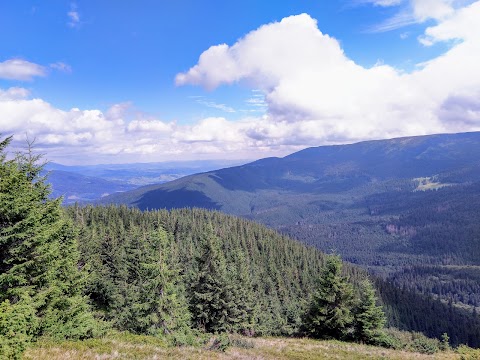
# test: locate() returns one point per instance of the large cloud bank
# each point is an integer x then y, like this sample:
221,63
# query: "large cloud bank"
322,96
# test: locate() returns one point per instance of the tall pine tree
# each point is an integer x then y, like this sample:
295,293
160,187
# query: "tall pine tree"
159,305
211,296
329,315
369,318
39,259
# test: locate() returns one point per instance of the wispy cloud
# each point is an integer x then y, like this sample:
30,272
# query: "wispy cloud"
73,16
212,104
400,20
256,103
414,12
61,66
19,69
14,93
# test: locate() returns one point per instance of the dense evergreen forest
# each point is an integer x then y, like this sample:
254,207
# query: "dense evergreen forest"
76,272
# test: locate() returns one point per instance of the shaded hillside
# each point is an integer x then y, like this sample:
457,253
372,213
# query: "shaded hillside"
382,204
358,169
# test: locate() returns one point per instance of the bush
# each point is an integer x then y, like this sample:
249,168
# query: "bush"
187,337
467,353
425,345
17,326
411,341
220,342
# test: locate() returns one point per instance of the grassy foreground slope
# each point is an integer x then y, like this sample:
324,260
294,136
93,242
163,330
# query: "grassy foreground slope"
144,347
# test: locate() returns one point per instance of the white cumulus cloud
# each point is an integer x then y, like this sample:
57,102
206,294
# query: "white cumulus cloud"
315,94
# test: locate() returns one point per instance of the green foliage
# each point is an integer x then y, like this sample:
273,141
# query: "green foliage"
411,311
239,277
412,341
220,342
134,279
369,319
445,342
265,276
467,353
212,302
39,259
17,327
329,315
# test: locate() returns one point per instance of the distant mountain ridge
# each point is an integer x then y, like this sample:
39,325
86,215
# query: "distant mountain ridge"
325,169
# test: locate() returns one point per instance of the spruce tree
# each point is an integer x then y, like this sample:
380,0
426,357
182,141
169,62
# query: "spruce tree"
211,300
329,315
369,318
160,306
38,253
243,296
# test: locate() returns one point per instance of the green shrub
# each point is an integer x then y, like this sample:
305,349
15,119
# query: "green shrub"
219,342
188,337
425,345
411,341
17,326
467,353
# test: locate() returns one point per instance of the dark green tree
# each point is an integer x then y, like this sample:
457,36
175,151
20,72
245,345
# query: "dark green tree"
329,315
159,305
369,319
211,300
243,297
39,260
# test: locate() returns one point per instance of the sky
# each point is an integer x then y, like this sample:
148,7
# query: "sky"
147,81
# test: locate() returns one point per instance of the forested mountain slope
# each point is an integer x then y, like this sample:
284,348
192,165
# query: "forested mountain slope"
359,169
385,205
272,274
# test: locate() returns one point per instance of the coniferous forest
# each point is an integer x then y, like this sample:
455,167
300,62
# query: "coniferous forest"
78,272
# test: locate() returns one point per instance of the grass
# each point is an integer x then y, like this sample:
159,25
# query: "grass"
126,346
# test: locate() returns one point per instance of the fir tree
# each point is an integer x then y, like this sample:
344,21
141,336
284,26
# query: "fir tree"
369,318
17,327
242,288
329,315
211,300
38,252
160,306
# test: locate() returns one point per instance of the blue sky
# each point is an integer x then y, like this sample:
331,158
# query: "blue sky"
118,81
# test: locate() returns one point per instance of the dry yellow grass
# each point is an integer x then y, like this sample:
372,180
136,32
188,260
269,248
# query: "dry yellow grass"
263,348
